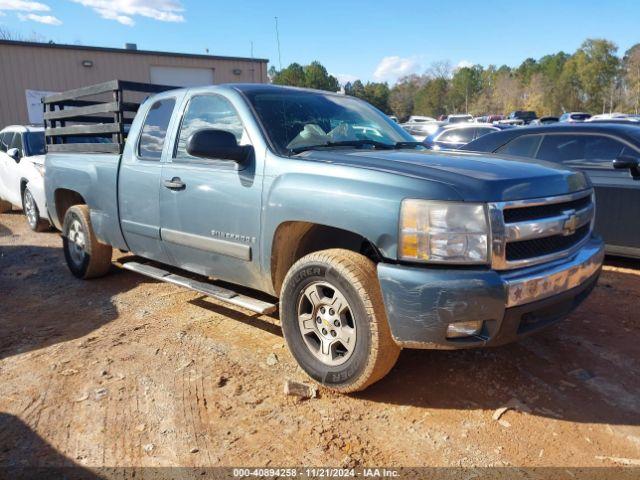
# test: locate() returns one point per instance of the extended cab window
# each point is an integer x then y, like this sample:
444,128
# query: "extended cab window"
154,130
208,112
524,146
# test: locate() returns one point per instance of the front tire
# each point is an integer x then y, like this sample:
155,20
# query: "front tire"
31,211
86,257
334,320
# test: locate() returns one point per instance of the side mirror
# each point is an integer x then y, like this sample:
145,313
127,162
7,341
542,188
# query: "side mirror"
628,162
14,153
217,144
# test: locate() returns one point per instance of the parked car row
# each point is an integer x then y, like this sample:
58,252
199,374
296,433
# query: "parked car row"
22,170
608,153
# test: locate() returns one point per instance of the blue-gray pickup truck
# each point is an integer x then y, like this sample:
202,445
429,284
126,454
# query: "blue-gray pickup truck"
328,211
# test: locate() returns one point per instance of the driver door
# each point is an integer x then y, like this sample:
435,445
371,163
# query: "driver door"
617,193
210,208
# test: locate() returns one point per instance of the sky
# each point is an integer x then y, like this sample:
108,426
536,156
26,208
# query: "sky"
374,40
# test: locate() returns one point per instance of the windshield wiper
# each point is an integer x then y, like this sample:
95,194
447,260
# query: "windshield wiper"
345,143
400,145
358,143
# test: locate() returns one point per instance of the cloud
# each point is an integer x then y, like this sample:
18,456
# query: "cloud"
46,19
23,6
392,68
464,64
123,11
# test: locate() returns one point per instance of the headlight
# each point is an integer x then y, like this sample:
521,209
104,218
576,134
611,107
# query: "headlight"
439,232
40,168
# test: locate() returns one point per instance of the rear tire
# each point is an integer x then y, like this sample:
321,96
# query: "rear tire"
5,206
86,257
32,213
334,320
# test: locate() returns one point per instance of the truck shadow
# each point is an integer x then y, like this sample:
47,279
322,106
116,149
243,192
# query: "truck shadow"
584,369
42,304
26,455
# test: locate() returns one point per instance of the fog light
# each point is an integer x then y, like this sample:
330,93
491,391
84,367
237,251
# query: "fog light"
464,329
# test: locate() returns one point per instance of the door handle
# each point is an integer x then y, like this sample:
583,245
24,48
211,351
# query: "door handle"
175,184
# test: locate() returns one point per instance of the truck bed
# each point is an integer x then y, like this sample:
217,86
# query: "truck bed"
94,118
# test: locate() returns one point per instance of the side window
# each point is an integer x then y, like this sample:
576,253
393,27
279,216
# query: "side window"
481,131
457,135
16,142
154,130
523,146
585,151
211,112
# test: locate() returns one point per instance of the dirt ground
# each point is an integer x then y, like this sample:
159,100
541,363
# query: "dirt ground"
126,371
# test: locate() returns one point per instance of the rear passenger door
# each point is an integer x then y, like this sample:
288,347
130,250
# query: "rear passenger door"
139,182
617,194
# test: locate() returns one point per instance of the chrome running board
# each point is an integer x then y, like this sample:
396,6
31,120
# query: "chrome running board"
214,291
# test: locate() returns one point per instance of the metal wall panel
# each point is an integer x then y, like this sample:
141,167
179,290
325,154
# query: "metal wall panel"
28,66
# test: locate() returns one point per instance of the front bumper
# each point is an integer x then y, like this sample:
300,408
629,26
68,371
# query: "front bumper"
421,302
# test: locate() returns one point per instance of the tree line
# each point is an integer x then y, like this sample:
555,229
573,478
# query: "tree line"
593,79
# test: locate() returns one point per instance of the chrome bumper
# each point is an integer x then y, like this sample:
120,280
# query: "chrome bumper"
551,281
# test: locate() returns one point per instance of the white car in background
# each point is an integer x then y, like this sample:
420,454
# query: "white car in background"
420,126
22,174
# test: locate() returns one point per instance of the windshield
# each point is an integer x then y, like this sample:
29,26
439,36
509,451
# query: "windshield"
294,120
35,143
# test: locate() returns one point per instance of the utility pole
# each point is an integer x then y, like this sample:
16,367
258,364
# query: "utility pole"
278,41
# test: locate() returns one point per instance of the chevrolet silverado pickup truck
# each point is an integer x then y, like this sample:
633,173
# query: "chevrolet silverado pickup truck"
320,206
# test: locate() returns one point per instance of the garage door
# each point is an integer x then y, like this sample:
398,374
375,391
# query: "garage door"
181,76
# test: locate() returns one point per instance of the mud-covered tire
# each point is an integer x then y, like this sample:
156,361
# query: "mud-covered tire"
351,277
32,213
5,206
86,257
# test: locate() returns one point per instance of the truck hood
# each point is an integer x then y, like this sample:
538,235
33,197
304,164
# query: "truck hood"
476,177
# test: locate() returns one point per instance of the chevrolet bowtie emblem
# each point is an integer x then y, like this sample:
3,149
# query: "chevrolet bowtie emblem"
570,224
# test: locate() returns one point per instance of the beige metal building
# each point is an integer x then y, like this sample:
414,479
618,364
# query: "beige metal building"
30,70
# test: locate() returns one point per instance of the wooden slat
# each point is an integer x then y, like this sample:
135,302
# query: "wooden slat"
83,147
126,106
84,129
107,107
83,92
144,87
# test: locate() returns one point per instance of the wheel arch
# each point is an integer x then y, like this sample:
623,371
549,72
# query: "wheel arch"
64,199
293,240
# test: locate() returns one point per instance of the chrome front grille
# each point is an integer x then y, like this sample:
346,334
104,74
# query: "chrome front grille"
530,232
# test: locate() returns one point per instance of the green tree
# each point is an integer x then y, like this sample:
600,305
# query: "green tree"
465,85
526,70
631,61
402,96
293,75
314,75
431,98
597,68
